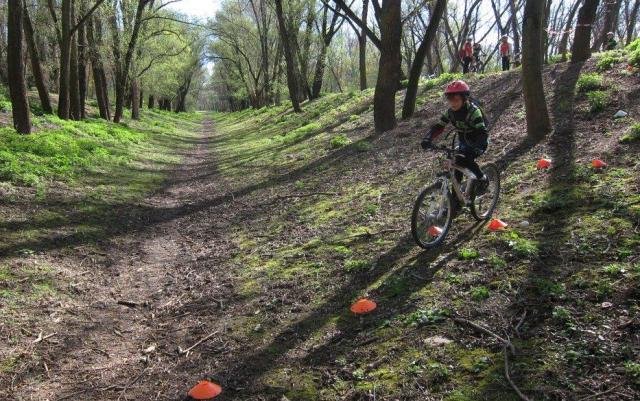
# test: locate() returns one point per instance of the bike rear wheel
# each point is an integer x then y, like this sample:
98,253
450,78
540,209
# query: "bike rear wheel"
483,206
432,216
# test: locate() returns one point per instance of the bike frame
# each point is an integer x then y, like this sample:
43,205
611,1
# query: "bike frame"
449,180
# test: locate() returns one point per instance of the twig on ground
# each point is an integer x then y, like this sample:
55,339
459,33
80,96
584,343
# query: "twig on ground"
130,304
307,195
42,338
508,376
596,395
186,351
476,326
371,234
520,322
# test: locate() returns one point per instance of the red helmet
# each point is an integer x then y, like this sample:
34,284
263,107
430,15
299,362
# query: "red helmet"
458,87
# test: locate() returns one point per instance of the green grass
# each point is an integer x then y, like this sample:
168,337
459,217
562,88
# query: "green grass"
589,82
633,135
608,59
598,100
339,141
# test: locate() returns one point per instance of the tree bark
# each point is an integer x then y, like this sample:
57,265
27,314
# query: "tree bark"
123,66
564,41
633,19
362,48
135,100
82,70
74,77
15,68
65,57
581,49
384,110
611,13
418,61
292,76
538,122
99,76
36,68
514,27
151,103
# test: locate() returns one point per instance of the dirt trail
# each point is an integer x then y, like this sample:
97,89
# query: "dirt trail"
117,338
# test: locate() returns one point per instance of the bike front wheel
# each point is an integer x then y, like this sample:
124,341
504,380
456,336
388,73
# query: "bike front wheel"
483,204
432,216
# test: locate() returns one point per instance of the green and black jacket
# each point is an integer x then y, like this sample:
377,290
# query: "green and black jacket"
468,121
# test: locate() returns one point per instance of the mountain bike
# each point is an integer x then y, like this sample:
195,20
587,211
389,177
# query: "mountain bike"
477,65
437,204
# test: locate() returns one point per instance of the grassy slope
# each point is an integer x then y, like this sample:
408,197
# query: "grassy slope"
64,184
346,236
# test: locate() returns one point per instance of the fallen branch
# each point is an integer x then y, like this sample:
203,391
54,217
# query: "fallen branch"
42,338
186,351
371,234
600,393
130,304
307,195
508,376
482,329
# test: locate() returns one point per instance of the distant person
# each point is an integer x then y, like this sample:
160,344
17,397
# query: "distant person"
477,51
466,55
611,43
473,135
505,53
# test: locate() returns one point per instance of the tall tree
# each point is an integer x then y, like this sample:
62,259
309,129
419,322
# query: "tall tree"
632,21
15,68
327,32
36,68
515,25
581,49
538,122
564,41
418,61
611,13
384,104
362,48
289,56
94,40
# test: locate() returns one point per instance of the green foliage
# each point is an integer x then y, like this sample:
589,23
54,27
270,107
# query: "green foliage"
363,146
633,46
557,58
632,370
468,254
589,82
423,317
479,293
522,247
633,135
597,100
353,265
608,59
561,314
339,141
497,262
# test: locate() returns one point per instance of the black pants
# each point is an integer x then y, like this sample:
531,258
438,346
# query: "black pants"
466,62
506,63
467,157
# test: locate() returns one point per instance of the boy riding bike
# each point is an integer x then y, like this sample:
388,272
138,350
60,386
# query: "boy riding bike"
470,123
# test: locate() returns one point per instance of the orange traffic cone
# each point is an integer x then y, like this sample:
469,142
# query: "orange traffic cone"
543,164
363,306
497,225
597,163
434,231
205,390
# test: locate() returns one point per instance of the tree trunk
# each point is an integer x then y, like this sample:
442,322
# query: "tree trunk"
564,41
135,100
292,77
99,77
362,47
74,81
418,61
36,69
82,70
581,49
384,104
123,66
633,19
514,27
318,76
65,54
538,123
15,68
151,103
611,13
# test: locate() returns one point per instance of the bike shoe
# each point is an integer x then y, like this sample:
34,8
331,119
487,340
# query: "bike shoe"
481,186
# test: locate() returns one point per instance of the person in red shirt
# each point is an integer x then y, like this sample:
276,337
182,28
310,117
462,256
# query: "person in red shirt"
505,53
466,54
